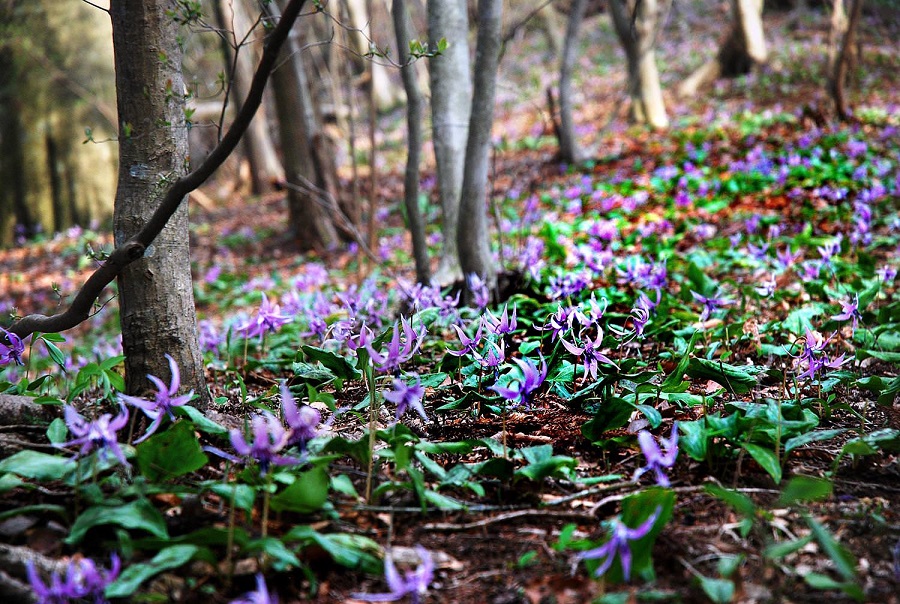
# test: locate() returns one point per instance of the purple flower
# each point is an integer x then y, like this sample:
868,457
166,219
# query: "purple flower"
163,402
559,321
302,421
640,316
469,344
260,596
268,439
502,325
13,351
710,305
657,461
829,250
786,257
812,356
619,543
268,320
481,294
758,252
398,351
887,273
99,434
766,288
405,396
519,390
83,581
494,357
589,353
849,311
413,583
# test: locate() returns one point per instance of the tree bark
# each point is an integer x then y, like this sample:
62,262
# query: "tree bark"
569,150
637,24
413,143
156,298
838,72
311,202
473,236
386,95
451,101
742,47
265,169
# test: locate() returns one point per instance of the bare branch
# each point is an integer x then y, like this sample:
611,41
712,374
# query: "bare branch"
97,6
134,248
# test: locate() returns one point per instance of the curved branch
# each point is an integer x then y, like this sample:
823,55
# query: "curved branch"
133,249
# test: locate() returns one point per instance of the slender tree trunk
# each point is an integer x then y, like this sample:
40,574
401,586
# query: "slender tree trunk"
311,204
838,73
265,169
473,236
569,150
413,143
384,92
741,48
451,101
155,293
637,24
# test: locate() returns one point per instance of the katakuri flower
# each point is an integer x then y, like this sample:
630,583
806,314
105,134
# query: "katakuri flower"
590,354
520,390
398,351
468,344
268,438
164,399
619,544
99,434
502,325
302,421
413,583
261,595
849,311
710,304
405,396
657,461
83,580
12,352
268,320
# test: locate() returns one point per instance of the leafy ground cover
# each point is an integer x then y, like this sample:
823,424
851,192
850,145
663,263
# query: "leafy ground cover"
688,394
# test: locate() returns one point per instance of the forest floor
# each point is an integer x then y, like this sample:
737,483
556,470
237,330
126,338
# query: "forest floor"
514,539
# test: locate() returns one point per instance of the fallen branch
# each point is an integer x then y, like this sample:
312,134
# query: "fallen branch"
133,249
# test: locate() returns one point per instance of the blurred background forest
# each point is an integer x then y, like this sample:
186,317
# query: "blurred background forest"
58,107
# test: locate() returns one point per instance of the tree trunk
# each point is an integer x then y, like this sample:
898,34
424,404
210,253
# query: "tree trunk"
637,24
569,150
451,101
838,72
265,169
473,236
155,293
742,47
413,143
386,95
311,203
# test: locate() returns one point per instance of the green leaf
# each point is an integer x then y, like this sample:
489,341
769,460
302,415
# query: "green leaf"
735,379
720,591
800,319
275,551
742,504
780,550
843,560
767,459
636,508
57,431
338,365
307,494
172,453
307,372
694,438
243,495
805,488
201,422
139,514
37,466
610,415
810,437
543,464
442,501
8,482
55,353
881,355
136,574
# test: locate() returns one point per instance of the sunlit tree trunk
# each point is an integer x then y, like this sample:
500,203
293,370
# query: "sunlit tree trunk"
451,101
155,293
637,24
386,94
473,237
265,169
743,47
414,220
569,150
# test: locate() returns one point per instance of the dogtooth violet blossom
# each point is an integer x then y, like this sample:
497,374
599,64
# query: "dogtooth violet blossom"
849,311
83,580
397,351
99,434
589,354
268,438
268,319
812,356
302,421
480,292
619,544
405,396
413,583
164,399
502,325
494,356
11,353
710,304
261,595
519,391
468,344
657,461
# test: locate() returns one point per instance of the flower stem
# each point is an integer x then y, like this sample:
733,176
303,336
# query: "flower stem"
373,421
